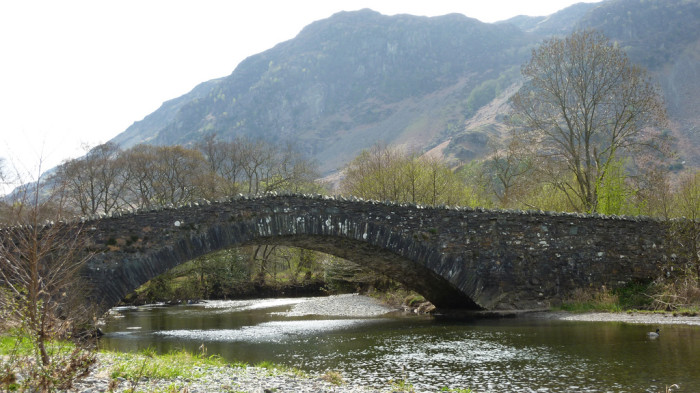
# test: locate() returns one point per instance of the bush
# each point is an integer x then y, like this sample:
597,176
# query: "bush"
634,295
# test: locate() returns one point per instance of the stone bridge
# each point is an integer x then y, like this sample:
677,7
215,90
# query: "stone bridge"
455,257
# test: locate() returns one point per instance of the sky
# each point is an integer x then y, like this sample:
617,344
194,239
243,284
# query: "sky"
74,74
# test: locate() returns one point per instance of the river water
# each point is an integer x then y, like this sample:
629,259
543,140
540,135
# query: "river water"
372,347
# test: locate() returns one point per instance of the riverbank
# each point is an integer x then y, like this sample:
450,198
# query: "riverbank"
647,318
635,317
204,378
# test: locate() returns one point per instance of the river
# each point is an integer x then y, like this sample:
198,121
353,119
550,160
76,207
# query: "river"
370,345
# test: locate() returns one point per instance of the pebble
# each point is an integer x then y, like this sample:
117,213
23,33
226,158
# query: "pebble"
348,305
631,317
216,379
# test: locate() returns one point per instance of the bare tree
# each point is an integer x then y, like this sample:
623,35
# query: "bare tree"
256,155
584,105
179,175
262,167
224,165
139,166
41,291
3,175
94,183
160,175
510,168
289,170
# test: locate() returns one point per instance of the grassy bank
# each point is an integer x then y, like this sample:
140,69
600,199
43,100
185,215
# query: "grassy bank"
652,297
127,371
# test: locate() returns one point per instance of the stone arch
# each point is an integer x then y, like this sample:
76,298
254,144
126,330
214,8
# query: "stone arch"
378,247
455,257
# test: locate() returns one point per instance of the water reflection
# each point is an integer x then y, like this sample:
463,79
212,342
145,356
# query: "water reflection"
515,355
267,332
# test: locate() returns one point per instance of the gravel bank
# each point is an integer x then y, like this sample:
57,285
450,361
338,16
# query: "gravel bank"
631,317
350,305
215,379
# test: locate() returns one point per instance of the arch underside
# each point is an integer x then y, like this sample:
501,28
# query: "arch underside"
128,272
413,275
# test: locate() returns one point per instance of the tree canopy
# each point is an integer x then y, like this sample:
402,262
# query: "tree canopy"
584,106
384,173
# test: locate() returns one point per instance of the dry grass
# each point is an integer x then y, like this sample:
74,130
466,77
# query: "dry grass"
584,300
678,295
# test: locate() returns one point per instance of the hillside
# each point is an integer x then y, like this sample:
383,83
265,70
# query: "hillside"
346,82
440,83
664,37
559,23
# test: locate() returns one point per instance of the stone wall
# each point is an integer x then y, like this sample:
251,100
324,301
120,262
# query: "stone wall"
457,258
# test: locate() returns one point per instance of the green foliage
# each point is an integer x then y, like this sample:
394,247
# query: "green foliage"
14,343
20,371
413,300
172,388
236,272
613,192
333,377
159,288
472,175
634,295
482,95
148,364
402,386
388,174
218,274
549,197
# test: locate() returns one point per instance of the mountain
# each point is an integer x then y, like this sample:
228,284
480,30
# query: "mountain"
426,83
559,23
662,36
345,83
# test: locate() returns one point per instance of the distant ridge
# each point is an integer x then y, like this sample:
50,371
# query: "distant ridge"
424,83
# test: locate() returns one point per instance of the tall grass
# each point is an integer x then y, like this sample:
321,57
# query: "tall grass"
148,364
582,300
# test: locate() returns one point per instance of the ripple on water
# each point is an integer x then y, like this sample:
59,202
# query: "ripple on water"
275,331
458,361
257,304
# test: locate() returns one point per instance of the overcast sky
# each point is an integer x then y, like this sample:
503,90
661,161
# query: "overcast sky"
76,73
